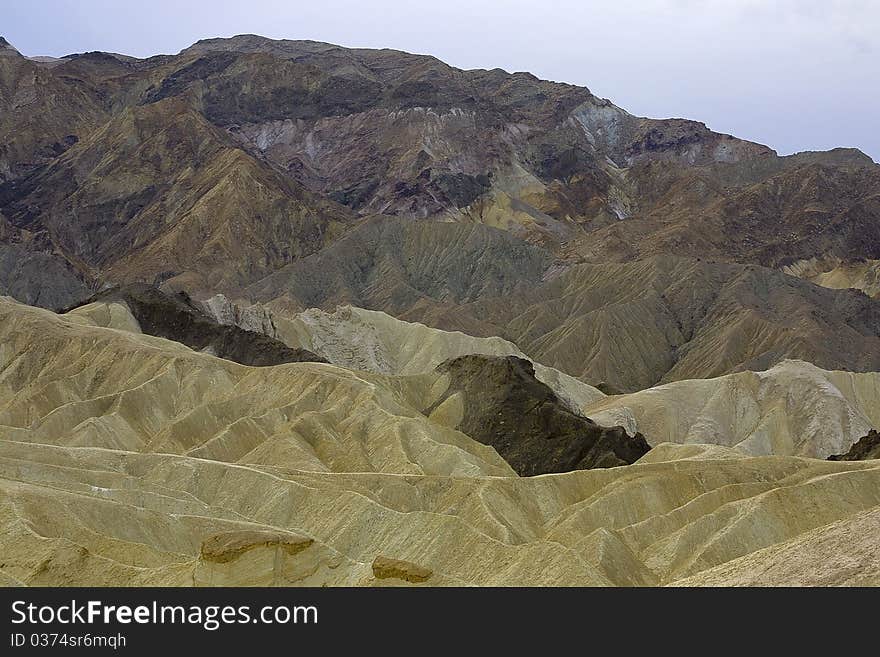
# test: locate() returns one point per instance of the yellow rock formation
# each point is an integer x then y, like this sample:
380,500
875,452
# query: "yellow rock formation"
127,459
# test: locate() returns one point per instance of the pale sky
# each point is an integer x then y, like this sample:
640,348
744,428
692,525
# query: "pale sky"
792,74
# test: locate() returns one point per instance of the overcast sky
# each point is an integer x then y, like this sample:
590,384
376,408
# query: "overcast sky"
793,74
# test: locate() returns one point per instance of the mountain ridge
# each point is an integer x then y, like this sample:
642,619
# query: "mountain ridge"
340,135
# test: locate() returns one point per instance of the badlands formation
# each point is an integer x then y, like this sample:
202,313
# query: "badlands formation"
128,458
285,313
838,274
794,408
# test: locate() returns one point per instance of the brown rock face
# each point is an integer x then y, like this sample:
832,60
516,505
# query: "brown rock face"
867,447
505,406
772,211
229,546
387,568
176,317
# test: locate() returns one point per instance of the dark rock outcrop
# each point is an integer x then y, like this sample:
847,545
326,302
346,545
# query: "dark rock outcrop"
176,317
387,568
505,406
867,447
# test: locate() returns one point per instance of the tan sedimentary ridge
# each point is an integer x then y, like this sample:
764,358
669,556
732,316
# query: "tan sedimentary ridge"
374,341
629,325
794,408
118,390
837,273
88,516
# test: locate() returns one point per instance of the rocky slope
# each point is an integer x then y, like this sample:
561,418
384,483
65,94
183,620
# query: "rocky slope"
839,274
840,554
664,319
257,152
628,326
38,278
867,447
158,193
770,212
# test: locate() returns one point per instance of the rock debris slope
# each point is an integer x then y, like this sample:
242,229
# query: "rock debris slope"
130,459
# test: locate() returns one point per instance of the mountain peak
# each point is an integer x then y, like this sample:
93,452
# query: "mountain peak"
7,48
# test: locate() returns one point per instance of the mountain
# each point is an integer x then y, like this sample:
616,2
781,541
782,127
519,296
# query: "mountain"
771,212
288,313
45,109
257,152
663,319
